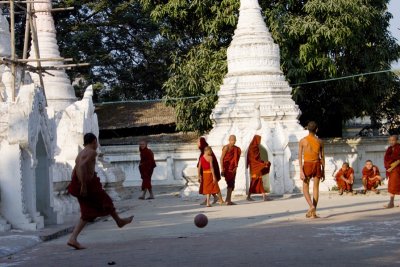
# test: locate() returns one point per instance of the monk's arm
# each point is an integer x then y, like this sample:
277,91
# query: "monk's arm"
222,157
322,151
212,170
301,159
351,179
84,170
198,172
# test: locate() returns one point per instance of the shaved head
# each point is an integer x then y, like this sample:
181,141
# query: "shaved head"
393,139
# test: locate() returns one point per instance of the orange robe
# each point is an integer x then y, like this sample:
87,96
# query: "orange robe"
203,145
393,154
312,163
346,174
96,203
146,167
258,167
230,162
209,187
370,175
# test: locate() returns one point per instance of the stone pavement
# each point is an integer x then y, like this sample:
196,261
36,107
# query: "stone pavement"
352,230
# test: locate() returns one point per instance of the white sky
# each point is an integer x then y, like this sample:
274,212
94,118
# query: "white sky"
394,8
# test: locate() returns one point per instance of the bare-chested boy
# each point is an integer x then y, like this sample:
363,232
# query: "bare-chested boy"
85,185
313,167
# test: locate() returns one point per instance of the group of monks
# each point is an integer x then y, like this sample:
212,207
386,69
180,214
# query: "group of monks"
94,202
209,172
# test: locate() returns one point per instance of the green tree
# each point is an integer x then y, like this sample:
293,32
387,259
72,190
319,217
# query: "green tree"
318,39
128,56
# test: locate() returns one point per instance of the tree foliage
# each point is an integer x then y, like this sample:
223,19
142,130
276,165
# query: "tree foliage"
128,56
318,39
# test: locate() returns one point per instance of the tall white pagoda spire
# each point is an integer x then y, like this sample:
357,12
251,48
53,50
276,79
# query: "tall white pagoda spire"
58,88
255,98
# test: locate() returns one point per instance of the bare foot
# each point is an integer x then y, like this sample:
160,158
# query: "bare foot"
215,200
310,212
389,206
75,245
124,221
249,199
208,205
150,197
142,198
230,203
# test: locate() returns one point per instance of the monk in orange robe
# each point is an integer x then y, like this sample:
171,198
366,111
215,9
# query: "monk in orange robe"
392,165
312,167
146,168
86,187
207,175
229,163
258,168
371,177
345,178
202,144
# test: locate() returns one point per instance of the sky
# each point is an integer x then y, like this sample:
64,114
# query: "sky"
394,8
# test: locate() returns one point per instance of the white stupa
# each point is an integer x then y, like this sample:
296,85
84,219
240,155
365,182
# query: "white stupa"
58,88
254,99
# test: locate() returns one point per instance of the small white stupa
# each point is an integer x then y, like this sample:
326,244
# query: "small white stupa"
254,99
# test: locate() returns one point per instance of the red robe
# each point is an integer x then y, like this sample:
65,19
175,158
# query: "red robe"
258,167
209,187
96,203
230,162
146,167
370,175
203,145
346,174
393,154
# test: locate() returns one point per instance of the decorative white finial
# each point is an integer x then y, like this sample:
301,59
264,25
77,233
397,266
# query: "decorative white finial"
58,88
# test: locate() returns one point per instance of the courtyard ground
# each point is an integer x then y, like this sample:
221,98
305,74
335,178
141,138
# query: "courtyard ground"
352,231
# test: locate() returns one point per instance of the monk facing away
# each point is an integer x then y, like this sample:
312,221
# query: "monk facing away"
371,177
392,165
345,179
229,163
312,167
146,168
208,176
85,185
258,168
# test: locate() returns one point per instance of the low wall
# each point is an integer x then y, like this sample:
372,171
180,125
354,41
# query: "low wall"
173,159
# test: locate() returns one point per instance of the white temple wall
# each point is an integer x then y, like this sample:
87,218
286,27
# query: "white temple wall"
174,159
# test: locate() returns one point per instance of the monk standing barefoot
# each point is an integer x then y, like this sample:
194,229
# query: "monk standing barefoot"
313,166
229,163
258,168
208,176
392,165
202,144
146,168
85,185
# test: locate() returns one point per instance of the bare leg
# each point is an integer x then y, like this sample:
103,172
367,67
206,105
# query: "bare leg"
306,193
228,196
315,196
221,200
73,240
208,200
364,182
143,194
249,197
391,202
215,198
121,222
151,194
